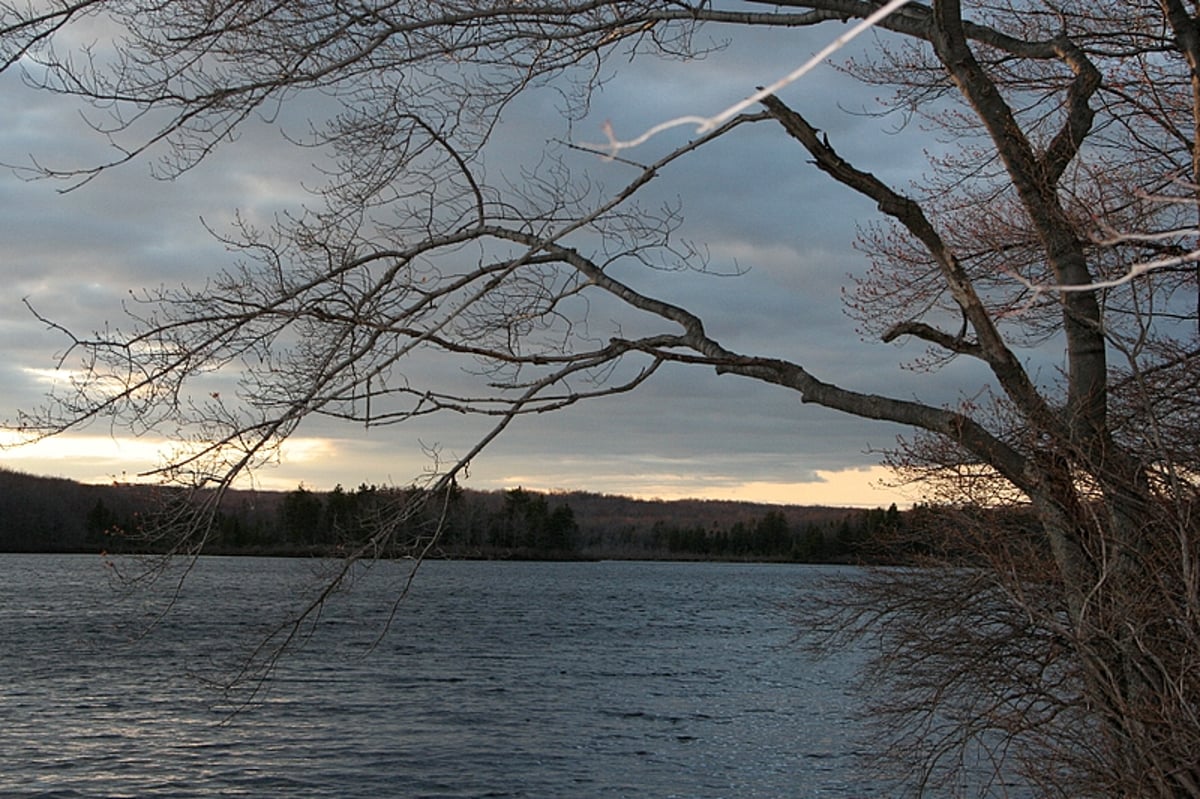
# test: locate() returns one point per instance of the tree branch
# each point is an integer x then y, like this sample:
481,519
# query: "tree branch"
1087,360
907,212
957,427
955,344
916,20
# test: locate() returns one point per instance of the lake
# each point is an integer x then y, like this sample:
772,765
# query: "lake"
495,679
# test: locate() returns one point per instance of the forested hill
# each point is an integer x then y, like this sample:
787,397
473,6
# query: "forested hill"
40,514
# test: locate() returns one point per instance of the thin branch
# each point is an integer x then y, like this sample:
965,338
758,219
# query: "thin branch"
615,145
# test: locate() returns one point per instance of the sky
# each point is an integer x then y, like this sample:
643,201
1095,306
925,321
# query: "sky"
754,201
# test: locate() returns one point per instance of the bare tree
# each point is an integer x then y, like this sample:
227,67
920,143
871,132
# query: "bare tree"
1073,638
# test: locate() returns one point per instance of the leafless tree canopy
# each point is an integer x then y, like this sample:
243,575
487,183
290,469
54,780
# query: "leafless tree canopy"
1066,215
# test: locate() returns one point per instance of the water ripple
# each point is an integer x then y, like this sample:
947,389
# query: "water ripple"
496,680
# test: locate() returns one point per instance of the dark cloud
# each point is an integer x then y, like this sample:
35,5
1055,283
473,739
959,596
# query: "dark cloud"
753,201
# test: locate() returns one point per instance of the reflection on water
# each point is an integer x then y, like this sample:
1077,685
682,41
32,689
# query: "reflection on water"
495,679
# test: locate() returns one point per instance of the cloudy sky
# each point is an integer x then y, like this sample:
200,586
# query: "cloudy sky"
754,200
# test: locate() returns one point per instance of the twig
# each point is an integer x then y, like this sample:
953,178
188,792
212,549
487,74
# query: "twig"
706,124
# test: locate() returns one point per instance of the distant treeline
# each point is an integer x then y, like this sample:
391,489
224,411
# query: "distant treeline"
771,537
53,515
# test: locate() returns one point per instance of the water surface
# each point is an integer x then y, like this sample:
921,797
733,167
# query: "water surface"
494,680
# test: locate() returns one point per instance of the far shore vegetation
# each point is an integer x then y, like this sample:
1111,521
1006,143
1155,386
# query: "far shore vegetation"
41,514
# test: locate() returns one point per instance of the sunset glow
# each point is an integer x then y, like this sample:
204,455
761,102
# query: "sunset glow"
322,463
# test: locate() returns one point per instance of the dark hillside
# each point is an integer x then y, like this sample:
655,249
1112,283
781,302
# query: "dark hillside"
41,514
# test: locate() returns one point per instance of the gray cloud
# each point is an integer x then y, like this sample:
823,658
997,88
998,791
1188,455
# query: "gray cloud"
753,200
